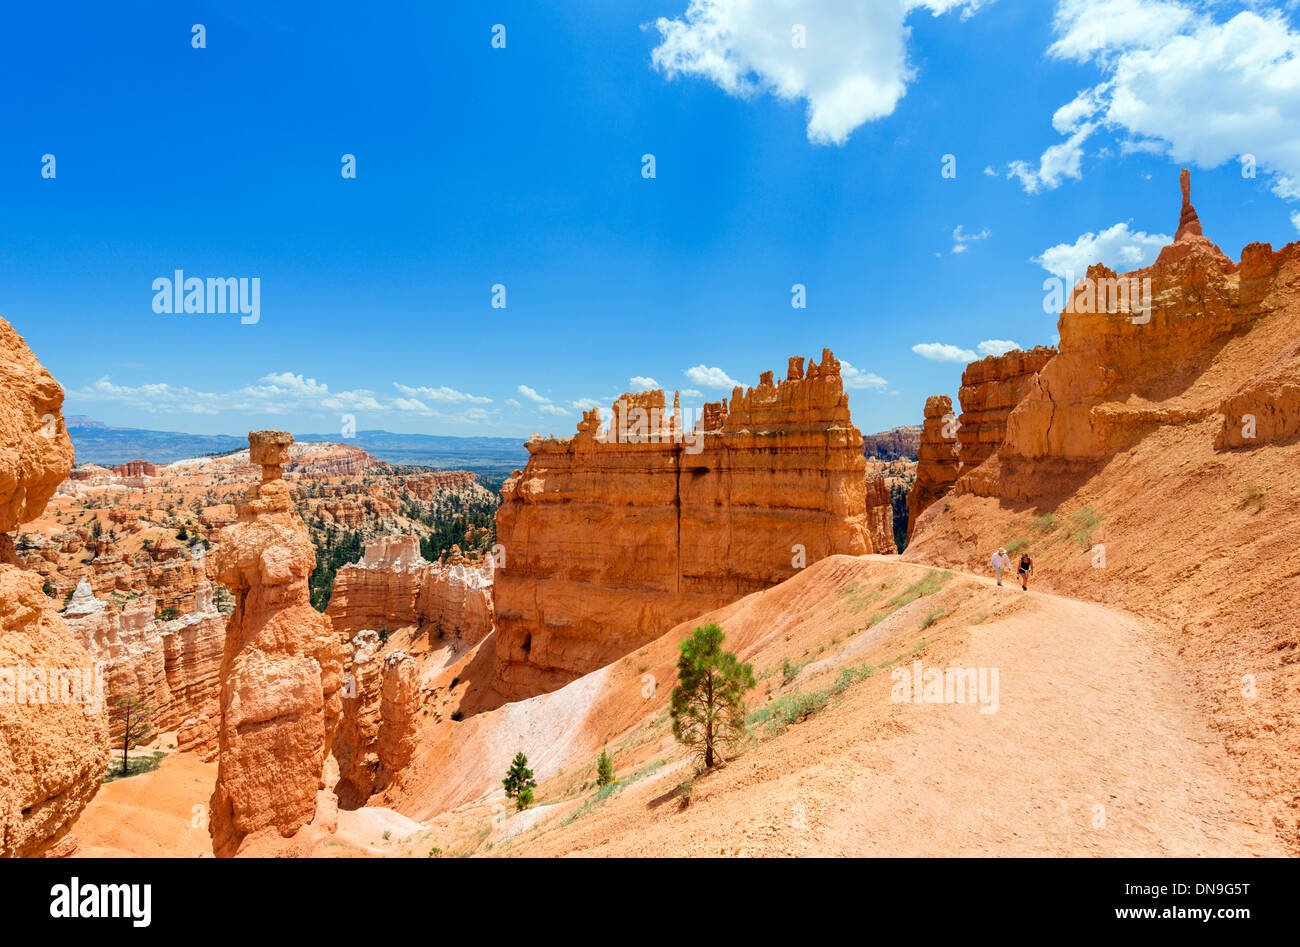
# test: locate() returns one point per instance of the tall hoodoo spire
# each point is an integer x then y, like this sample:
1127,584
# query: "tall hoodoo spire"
1189,225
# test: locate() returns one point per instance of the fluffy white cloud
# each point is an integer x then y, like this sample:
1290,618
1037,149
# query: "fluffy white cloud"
707,377
554,409
1118,247
644,382
997,346
1175,80
856,378
943,352
1060,161
961,240
850,68
441,393
532,395
513,402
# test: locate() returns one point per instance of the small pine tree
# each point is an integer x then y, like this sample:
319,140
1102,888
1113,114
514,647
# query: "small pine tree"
708,704
604,769
519,782
137,728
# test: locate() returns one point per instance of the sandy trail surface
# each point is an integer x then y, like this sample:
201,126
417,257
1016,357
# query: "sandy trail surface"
1097,747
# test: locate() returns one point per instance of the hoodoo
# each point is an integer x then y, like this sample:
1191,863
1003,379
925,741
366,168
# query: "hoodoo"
938,459
281,672
613,536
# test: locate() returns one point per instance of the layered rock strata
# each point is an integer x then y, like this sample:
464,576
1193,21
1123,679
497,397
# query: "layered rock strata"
990,389
172,667
613,536
393,586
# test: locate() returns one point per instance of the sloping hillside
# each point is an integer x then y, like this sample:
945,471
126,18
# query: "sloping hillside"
1089,710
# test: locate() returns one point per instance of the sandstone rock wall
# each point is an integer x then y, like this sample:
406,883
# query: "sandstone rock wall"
281,671
394,587
880,516
52,746
613,536
990,389
171,666
901,443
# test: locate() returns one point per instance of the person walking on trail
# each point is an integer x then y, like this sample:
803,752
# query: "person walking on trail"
1026,570
999,562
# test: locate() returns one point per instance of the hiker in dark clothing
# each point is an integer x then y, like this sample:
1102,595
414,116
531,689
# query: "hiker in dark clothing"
1026,570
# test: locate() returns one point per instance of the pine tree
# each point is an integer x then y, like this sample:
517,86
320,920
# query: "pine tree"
708,704
519,782
137,728
604,769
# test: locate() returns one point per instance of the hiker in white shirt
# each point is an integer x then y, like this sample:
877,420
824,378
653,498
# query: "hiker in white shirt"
999,562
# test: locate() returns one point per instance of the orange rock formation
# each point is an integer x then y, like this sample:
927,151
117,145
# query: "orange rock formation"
938,459
613,536
53,734
990,389
281,671
171,666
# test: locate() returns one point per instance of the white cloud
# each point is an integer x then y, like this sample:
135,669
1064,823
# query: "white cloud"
554,409
532,395
277,393
644,382
943,352
1175,80
1295,220
1060,161
514,403
441,393
707,377
961,240
997,346
988,170
852,68
691,393
856,378
1118,247
585,404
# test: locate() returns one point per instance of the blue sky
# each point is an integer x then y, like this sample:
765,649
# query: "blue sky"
775,165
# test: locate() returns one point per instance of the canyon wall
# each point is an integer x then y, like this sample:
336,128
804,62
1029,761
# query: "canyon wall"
611,537
53,732
281,671
394,587
990,389
170,666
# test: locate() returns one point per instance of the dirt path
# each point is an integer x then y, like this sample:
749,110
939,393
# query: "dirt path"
1097,748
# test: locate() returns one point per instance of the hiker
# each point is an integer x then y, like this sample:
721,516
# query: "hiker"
1026,570
999,562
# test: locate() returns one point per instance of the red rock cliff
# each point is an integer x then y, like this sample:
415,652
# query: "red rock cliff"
612,537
